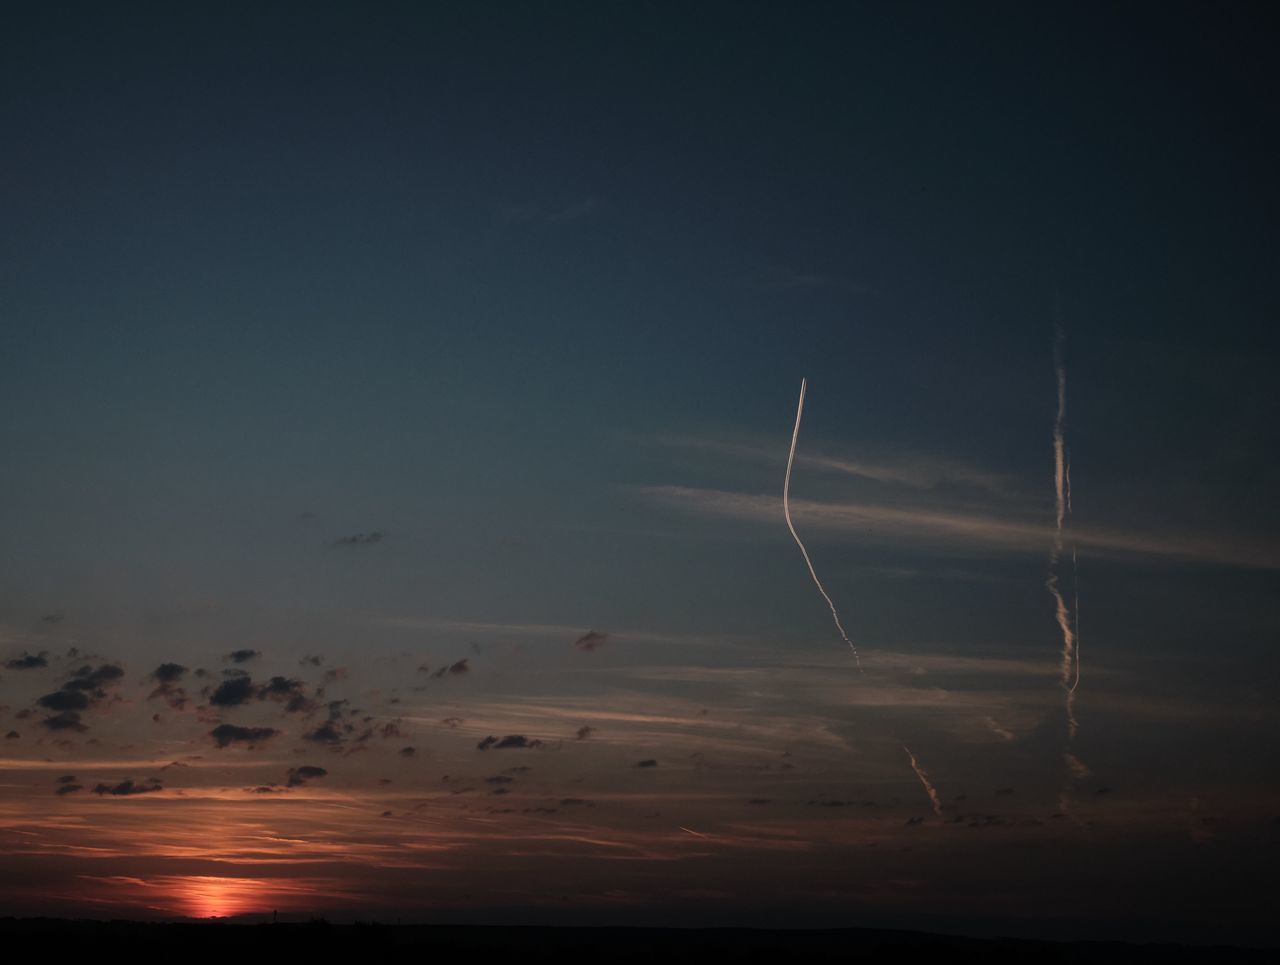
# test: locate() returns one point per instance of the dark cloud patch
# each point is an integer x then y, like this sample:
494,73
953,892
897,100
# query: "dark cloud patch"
591,640
242,656
28,661
540,810
64,700
228,734
360,539
334,674
94,681
510,742
167,676
233,692
300,775
82,689
280,688
63,789
453,670
169,673
67,779
127,788
453,723
13,735
67,720
326,733
310,660
501,790
648,762
292,693
408,751
585,732
498,779
266,789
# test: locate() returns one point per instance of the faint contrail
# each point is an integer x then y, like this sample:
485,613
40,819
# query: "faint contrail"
786,509
698,834
924,779
1075,614
1062,507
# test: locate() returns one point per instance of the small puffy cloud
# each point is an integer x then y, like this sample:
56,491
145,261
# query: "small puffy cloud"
233,692
360,539
64,700
67,720
242,656
167,676
326,733
169,673
93,681
408,751
28,661
453,670
584,732
227,734
300,775
13,735
648,762
128,788
64,789
591,640
511,741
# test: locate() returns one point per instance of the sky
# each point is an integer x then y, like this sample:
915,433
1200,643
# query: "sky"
396,402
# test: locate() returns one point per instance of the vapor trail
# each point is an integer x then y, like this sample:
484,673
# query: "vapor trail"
786,510
1062,506
1068,618
924,779
1075,614
698,834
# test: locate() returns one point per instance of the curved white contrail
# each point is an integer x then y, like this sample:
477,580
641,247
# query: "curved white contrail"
924,779
786,510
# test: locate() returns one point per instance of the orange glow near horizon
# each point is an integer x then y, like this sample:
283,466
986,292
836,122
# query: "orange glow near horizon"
213,896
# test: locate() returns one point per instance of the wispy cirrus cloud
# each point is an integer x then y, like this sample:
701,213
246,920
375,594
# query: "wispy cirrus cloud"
959,530
912,470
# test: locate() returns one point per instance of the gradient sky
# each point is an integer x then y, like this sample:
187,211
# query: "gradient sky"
379,378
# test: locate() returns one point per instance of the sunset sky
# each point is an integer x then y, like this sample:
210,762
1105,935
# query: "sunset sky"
396,401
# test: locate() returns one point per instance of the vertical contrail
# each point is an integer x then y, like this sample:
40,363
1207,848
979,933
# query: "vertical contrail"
1068,618
1075,613
924,779
786,509
1062,508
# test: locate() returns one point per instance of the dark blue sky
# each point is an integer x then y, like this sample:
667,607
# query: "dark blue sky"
529,290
